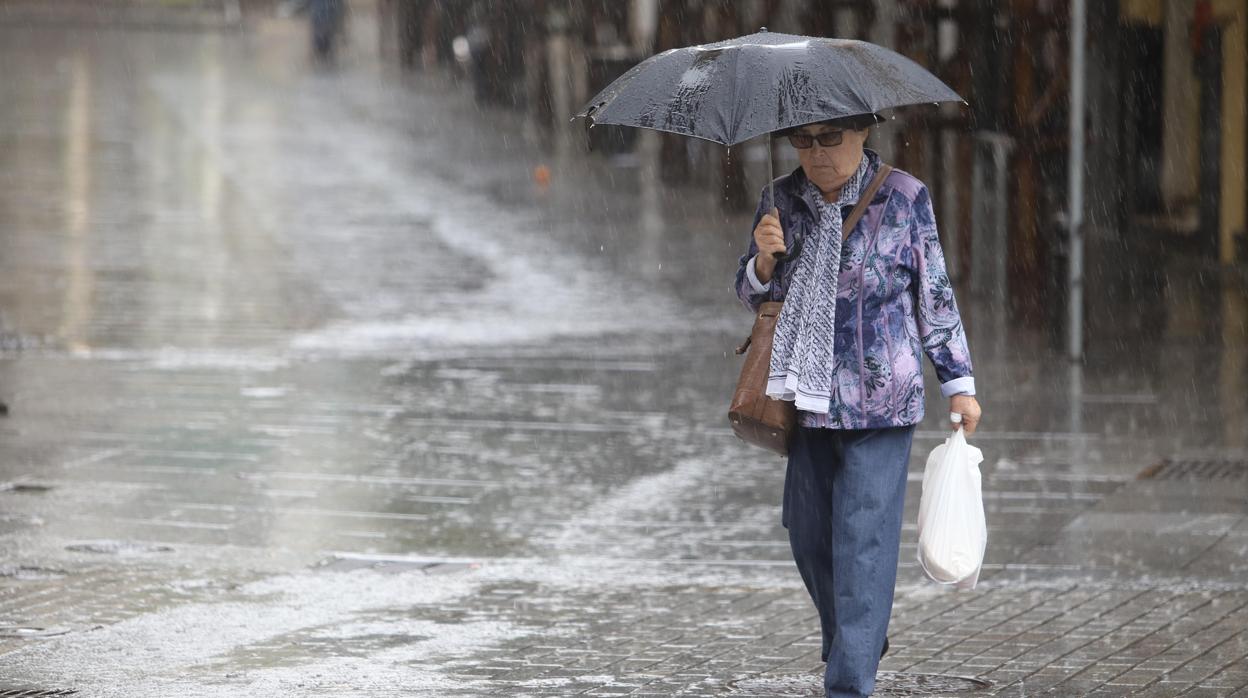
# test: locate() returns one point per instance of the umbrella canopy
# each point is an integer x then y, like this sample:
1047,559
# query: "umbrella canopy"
731,91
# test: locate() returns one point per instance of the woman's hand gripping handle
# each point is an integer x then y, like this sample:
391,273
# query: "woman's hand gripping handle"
769,237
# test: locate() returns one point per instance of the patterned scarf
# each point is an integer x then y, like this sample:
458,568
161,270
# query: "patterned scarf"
801,354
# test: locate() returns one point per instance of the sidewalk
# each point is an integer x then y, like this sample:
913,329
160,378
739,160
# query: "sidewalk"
167,15
322,394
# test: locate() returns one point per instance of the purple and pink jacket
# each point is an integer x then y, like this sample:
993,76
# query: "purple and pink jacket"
894,302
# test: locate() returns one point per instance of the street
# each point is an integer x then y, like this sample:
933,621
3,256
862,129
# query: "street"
316,390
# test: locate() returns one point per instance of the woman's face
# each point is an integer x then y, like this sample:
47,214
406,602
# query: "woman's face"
829,167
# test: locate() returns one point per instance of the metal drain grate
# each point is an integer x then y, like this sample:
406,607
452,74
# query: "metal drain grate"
887,683
1198,468
6,691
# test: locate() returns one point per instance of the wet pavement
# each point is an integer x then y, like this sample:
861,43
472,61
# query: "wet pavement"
316,391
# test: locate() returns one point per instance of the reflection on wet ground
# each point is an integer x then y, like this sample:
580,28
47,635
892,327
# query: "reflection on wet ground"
273,314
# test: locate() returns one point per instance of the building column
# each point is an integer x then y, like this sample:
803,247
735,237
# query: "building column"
1233,16
1180,101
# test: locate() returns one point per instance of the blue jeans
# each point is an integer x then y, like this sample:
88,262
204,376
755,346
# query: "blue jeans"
843,497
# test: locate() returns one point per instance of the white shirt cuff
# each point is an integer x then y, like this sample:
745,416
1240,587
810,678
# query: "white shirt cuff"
758,286
958,386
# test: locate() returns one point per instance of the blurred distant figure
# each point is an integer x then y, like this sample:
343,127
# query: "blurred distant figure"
327,19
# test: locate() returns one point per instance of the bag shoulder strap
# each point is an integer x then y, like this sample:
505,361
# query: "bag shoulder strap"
865,200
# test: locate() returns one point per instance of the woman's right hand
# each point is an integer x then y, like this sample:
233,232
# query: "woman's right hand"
769,237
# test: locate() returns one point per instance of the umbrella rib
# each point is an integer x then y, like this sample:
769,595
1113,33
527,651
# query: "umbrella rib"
736,94
686,134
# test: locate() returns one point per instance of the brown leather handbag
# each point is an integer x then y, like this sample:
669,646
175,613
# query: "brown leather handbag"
756,418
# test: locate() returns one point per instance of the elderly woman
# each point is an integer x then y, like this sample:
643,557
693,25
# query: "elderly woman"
861,309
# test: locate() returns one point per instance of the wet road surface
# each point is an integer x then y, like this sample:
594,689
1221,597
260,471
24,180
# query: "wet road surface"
315,390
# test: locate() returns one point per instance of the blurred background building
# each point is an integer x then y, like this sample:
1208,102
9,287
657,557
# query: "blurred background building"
1167,94
1166,85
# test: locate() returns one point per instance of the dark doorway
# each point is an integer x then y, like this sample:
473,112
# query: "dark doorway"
1208,69
1142,78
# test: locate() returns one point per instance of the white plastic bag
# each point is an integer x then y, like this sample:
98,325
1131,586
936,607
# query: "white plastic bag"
952,531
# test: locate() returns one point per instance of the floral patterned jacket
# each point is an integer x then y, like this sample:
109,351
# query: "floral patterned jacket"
894,302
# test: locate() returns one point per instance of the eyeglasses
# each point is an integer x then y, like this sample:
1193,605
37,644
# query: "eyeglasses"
827,139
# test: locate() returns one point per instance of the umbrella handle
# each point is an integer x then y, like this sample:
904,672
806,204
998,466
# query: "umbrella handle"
771,196
791,253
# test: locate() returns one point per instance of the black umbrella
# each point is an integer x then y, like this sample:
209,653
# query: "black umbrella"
731,91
